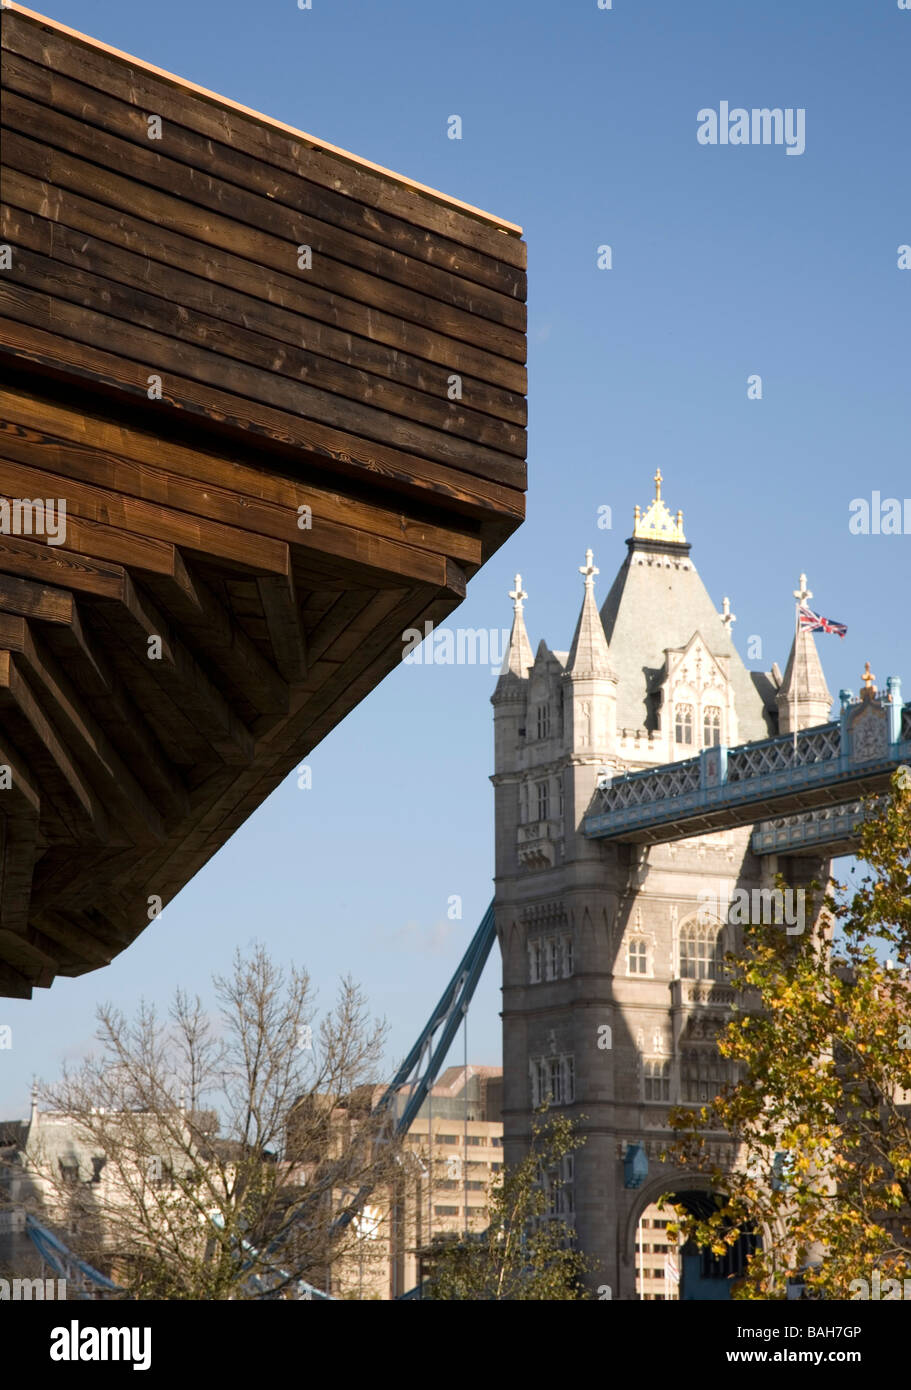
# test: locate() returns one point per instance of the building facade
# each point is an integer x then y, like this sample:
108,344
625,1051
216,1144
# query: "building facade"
613,988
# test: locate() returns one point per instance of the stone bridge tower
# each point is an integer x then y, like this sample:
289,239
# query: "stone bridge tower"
612,979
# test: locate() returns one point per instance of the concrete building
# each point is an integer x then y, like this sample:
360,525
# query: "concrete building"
613,990
452,1152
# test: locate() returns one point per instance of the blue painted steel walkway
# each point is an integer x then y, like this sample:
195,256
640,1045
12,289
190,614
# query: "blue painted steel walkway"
799,783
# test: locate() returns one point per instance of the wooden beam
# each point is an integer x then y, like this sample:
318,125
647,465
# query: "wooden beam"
279,602
88,447
243,548
52,564
173,668
33,345
326,317
84,808
35,600
112,779
348,163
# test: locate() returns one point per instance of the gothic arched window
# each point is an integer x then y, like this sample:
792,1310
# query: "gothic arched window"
700,951
543,717
637,956
711,726
683,724
543,801
656,1075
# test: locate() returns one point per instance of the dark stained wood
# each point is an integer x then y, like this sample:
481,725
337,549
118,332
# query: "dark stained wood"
245,546
266,143
329,323
273,346
156,353
188,199
59,359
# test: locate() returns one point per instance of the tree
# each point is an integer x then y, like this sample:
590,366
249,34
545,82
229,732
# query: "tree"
822,1112
527,1251
211,1158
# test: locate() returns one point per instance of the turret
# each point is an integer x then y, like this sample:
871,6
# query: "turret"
589,695
510,697
803,696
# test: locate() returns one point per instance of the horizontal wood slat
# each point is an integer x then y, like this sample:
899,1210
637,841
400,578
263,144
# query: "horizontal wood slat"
265,472
120,116
54,45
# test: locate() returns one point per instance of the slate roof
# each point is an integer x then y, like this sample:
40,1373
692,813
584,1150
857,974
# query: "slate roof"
653,606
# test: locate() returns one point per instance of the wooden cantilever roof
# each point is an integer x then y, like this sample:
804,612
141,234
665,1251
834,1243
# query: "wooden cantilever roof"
280,393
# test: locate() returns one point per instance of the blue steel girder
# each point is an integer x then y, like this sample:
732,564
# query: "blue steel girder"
836,829
828,765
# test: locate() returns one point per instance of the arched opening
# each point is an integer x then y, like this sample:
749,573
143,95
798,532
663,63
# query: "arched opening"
705,1277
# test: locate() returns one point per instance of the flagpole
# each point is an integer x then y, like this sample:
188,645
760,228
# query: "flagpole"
794,672
801,595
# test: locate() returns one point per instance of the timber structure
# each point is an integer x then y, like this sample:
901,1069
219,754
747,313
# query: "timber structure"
275,394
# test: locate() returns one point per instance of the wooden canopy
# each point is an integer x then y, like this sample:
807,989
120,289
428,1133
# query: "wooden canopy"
280,392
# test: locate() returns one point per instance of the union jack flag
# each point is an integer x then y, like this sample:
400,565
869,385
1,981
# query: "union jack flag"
812,622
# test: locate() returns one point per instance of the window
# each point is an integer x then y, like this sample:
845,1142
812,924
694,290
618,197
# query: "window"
553,1079
543,800
700,951
683,724
497,1141
550,959
543,721
567,955
657,1079
446,1211
69,1173
702,1075
558,1184
711,726
447,1138
476,1186
637,957
475,1139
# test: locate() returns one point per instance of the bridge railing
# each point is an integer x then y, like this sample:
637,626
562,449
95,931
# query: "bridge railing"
853,754
646,785
778,754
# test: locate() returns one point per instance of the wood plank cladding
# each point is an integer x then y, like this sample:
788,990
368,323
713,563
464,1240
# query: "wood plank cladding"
276,393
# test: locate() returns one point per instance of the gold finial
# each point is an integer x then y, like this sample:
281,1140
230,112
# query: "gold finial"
657,523
869,690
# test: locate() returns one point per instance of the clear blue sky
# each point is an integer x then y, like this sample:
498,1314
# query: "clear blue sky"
580,124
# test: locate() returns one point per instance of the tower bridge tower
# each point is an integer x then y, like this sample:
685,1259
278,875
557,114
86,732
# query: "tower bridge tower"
613,988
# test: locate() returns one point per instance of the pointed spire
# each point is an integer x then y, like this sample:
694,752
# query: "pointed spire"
589,654
519,656
804,698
